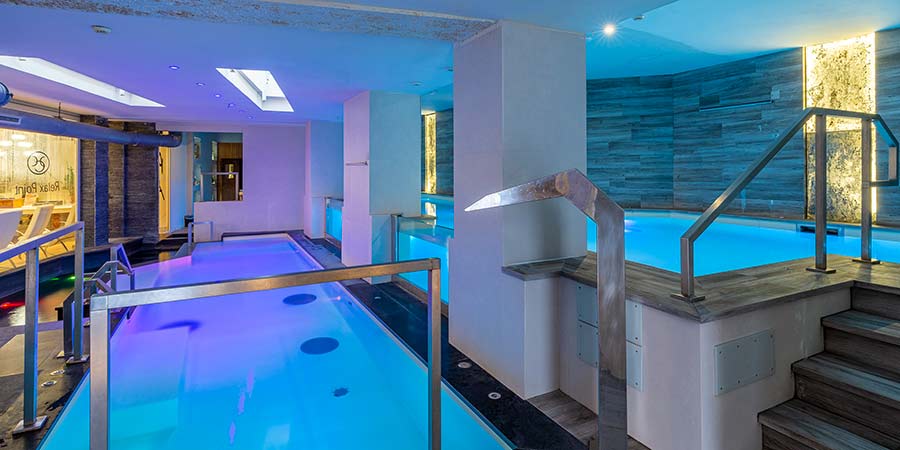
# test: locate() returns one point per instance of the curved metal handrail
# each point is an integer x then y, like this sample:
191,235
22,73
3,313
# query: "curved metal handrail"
610,220
718,206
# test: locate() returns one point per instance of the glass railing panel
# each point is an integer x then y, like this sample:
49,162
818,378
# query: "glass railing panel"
423,238
333,218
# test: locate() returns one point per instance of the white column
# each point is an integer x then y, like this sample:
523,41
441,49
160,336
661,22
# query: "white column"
519,114
324,172
382,171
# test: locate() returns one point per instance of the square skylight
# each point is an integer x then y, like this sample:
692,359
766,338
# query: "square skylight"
59,74
260,87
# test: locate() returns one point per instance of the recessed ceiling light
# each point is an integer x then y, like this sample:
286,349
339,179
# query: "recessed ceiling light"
17,137
609,29
250,117
218,95
242,111
415,83
639,18
101,29
59,74
6,143
231,105
25,144
260,87
174,67
201,84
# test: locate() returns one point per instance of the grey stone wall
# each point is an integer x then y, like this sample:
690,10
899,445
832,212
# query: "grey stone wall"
887,91
94,203
444,151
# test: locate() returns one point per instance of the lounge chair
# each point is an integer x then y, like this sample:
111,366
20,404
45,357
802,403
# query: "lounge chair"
70,219
9,224
38,224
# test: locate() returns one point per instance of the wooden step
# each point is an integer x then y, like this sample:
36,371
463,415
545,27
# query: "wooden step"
797,425
852,391
876,302
864,338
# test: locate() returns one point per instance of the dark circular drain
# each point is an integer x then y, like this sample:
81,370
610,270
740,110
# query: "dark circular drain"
340,392
190,324
299,299
319,346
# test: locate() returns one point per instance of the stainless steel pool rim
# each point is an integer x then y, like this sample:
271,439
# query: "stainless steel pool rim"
102,304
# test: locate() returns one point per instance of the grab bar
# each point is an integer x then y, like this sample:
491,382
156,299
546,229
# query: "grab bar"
190,233
706,219
103,303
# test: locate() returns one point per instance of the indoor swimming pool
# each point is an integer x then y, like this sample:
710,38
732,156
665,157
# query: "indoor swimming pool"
298,368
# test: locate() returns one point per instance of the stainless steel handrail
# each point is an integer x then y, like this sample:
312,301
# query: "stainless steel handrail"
610,219
103,303
72,318
190,233
706,219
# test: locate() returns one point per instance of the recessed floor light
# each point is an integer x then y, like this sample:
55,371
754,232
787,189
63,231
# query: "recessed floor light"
59,74
260,87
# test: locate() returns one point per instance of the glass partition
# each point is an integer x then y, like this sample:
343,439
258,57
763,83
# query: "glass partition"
333,217
217,166
423,238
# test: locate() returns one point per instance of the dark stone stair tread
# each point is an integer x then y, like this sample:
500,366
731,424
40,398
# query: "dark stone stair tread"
867,325
851,377
813,427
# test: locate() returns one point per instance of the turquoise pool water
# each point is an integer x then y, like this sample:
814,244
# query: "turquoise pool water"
243,371
732,243
333,217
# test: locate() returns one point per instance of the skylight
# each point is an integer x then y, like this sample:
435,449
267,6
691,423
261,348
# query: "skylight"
59,74
260,87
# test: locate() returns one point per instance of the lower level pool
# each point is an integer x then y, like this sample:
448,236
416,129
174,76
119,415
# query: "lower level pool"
298,368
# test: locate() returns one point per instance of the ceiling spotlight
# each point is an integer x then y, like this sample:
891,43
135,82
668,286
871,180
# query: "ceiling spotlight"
25,144
250,117
6,143
639,18
218,95
174,67
231,105
609,29
100,29
415,83
201,84
17,137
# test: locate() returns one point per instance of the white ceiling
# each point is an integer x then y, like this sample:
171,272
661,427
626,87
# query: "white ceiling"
323,53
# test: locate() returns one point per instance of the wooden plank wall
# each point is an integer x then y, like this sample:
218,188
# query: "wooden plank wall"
887,91
629,139
713,146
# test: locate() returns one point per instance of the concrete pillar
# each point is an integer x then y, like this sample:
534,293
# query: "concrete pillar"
382,159
94,203
324,173
519,114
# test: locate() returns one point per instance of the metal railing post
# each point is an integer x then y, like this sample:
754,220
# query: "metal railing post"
114,270
434,359
865,229
78,355
687,270
821,179
99,406
30,420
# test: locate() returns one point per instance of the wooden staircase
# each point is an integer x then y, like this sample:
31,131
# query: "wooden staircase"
847,397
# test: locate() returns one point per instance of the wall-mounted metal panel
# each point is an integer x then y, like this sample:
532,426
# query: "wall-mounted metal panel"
744,361
586,304
635,368
588,344
634,320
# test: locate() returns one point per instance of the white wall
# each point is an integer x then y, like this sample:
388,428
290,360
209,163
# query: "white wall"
273,178
677,407
324,172
519,114
383,129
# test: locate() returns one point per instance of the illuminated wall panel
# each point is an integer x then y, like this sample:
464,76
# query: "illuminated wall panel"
839,75
430,185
